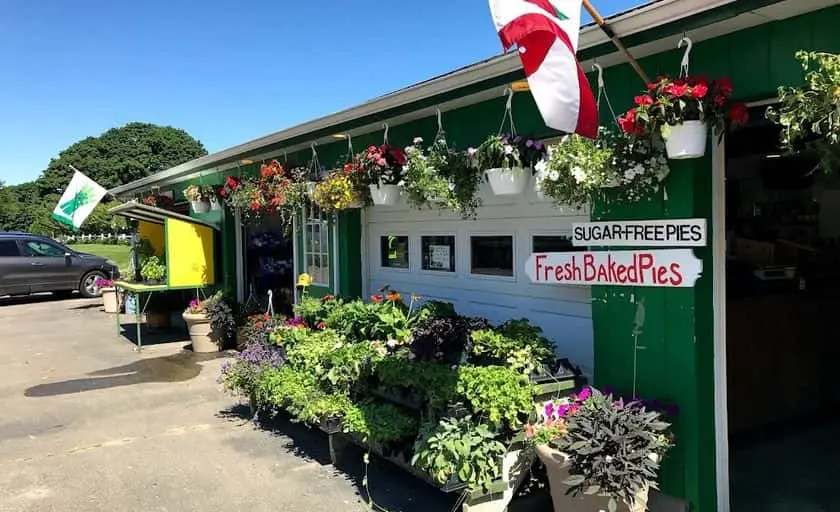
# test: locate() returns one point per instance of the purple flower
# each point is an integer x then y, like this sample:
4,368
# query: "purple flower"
517,139
471,151
563,410
529,143
538,146
585,393
549,410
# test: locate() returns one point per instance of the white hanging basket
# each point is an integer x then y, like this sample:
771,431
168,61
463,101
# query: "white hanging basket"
215,204
384,195
686,140
539,193
508,182
200,206
612,183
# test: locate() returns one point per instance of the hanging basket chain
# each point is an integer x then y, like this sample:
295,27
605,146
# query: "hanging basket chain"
602,92
508,115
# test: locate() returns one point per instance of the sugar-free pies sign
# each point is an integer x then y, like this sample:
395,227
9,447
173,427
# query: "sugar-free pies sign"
641,233
671,268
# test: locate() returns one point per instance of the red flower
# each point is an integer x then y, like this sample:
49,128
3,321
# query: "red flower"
627,122
398,156
738,114
724,86
327,298
676,90
223,192
700,90
265,171
720,100
644,99
376,299
232,183
321,325
255,205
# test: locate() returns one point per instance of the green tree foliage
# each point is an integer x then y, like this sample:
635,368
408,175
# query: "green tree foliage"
118,156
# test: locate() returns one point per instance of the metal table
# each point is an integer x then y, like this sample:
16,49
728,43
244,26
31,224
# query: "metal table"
139,289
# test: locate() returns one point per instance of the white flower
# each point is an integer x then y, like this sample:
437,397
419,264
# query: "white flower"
451,186
508,149
553,175
392,342
401,183
540,166
418,140
410,149
578,174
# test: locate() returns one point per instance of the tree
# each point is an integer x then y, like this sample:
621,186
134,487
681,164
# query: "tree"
121,155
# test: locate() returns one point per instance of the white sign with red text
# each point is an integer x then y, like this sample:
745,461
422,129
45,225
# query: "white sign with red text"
672,268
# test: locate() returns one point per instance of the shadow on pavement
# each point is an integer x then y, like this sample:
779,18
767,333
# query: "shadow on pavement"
38,298
179,367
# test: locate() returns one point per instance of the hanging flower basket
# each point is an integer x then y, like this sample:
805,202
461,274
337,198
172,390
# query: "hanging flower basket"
685,140
215,204
508,182
200,206
384,195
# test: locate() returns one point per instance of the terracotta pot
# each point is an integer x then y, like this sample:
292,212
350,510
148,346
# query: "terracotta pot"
557,466
508,182
110,300
204,338
685,140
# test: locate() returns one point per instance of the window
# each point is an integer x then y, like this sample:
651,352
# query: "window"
9,249
438,253
393,251
36,248
554,243
491,255
316,246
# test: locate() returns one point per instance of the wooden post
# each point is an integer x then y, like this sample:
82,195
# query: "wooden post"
615,40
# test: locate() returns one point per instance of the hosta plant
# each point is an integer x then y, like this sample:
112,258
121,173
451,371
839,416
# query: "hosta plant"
614,447
810,115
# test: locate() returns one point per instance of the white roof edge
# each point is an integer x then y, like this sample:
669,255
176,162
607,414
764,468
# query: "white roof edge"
636,20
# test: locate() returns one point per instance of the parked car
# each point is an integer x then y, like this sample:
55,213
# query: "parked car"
34,263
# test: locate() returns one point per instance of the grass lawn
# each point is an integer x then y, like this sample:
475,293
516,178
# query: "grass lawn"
118,253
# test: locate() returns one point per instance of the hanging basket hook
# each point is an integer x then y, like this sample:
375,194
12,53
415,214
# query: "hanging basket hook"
509,93
385,135
600,69
686,56
439,120
349,144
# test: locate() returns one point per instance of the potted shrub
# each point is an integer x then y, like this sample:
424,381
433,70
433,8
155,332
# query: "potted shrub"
210,323
578,169
507,162
681,111
153,271
810,115
601,453
198,197
110,298
383,169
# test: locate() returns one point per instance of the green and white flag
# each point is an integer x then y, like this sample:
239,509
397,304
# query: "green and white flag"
78,201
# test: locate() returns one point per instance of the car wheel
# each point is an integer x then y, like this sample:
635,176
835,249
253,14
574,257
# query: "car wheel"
88,287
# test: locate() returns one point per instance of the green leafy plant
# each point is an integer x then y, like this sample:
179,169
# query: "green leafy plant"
614,447
423,183
499,393
221,316
497,152
286,388
456,449
324,407
516,344
462,177
314,310
153,269
379,423
810,115
434,382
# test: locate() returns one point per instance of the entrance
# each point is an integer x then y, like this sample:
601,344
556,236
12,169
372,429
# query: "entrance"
782,329
268,265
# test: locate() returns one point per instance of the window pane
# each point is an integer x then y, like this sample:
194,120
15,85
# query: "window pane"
44,249
438,253
9,248
554,243
394,251
491,255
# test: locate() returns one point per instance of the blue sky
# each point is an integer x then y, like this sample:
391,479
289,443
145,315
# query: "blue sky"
224,71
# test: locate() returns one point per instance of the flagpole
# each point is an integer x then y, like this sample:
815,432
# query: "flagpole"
615,40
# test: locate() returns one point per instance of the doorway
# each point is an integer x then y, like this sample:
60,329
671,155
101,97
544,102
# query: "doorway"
268,265
782,273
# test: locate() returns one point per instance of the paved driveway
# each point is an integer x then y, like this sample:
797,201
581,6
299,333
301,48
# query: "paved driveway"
89,425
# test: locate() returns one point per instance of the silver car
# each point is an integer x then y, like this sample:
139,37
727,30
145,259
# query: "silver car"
34,263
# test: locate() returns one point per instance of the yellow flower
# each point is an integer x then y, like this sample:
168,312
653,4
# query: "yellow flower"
304,280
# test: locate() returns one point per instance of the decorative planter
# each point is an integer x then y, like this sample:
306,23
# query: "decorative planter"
111,300
384,195
557,466
200,206
215,204
508,182
204,338
686,140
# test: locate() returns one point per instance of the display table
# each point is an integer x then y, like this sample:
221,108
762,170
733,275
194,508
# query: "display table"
140,289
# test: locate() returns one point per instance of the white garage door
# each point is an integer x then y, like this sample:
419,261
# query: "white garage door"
479,265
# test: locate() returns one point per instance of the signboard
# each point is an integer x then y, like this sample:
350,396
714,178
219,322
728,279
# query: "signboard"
439,256
640,233
671,268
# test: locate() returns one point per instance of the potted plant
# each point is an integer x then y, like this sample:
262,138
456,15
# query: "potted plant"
159,201
601,453
682,110
578,169
810,115
506,161
383,169
198,197
423,183
110,299
153,271
337,192
210,323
